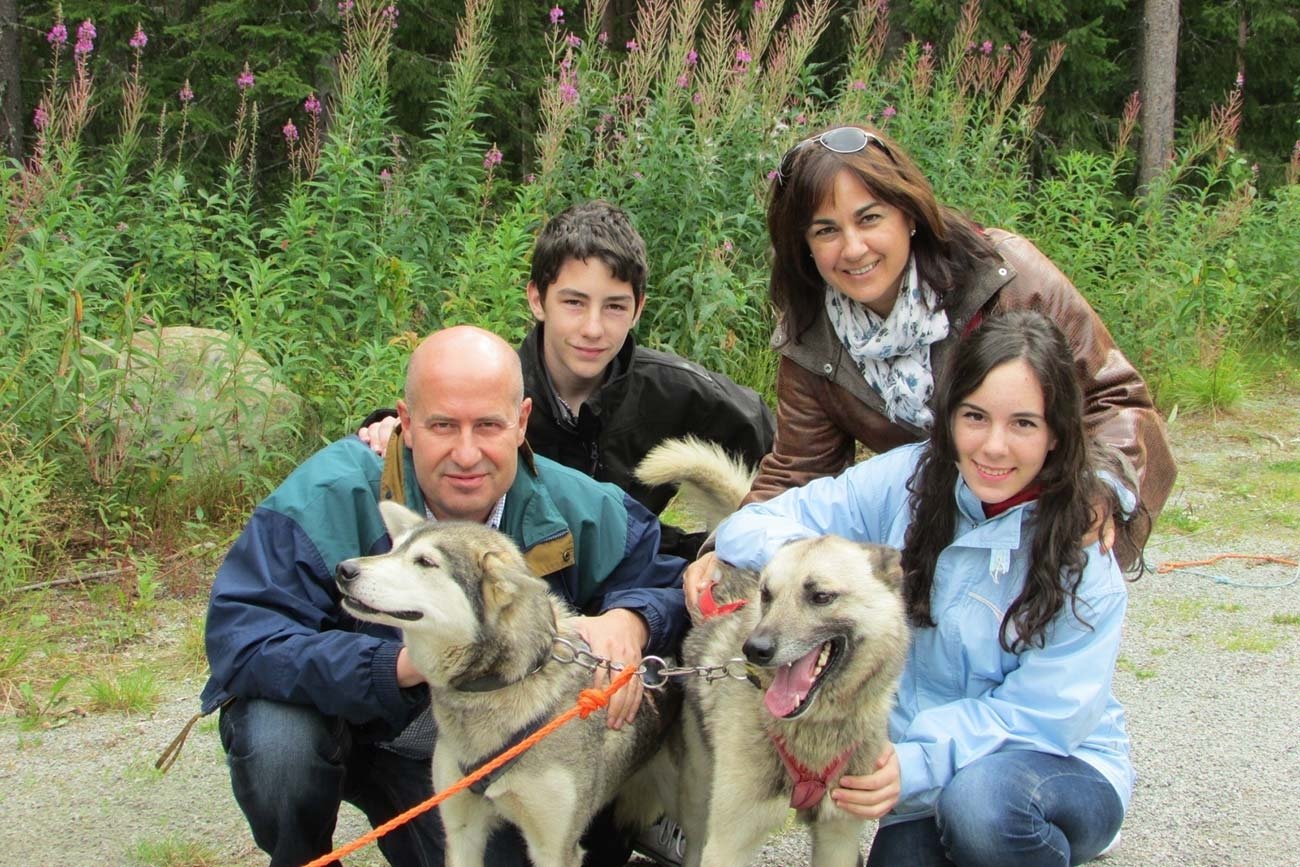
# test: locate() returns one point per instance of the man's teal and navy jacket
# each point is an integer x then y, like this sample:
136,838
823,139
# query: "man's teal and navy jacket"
275,628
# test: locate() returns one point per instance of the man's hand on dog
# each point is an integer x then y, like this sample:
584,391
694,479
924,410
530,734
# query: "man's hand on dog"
378,434
873,795
618,635
406,673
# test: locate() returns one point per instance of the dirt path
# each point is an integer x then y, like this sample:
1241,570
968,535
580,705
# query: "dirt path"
1209,674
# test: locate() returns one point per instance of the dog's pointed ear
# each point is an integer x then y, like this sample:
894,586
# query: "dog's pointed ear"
505,575
887,563
398,519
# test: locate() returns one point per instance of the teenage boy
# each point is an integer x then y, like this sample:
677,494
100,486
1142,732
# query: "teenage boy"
600,401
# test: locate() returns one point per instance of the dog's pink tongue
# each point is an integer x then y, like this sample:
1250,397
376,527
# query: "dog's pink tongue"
791,685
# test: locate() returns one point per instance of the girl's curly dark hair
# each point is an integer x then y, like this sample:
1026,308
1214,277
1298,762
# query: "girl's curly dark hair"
1070,487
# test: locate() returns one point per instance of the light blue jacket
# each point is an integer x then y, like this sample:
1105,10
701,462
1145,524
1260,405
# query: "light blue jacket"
961,696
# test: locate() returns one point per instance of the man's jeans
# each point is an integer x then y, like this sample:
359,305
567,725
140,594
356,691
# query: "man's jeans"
1012,809
291,767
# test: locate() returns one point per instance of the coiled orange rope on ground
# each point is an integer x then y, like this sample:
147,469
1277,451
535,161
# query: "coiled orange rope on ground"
1182,564
589,701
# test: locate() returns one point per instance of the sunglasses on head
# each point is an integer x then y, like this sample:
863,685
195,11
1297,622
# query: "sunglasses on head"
841,140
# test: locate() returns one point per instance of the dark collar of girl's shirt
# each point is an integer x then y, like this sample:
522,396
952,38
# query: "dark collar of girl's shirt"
1024,495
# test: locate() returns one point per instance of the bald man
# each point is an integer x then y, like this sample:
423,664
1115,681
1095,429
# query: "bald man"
317,707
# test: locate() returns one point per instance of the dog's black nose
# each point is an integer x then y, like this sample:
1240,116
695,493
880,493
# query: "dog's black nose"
760,649
347,572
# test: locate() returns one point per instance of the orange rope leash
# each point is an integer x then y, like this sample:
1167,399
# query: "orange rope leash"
589,701
1183,564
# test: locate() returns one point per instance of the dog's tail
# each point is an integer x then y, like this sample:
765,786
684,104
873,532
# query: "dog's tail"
712,482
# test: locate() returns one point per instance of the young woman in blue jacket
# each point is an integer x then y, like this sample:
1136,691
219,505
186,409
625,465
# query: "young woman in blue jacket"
1009,747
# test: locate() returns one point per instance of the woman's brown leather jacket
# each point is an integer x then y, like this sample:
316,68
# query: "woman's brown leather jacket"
824,405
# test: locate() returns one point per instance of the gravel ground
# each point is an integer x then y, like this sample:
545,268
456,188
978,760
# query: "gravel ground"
1209,674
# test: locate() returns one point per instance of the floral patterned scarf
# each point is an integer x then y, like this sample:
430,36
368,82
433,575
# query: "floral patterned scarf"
894,353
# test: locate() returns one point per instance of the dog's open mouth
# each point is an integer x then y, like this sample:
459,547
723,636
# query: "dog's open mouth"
361,609
795,685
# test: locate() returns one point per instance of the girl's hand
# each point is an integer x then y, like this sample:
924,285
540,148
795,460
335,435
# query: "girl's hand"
874,795
697,576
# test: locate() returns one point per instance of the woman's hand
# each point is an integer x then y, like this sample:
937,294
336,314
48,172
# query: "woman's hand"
378,434
874,795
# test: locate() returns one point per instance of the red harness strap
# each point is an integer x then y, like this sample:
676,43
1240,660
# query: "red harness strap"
809,786
709,607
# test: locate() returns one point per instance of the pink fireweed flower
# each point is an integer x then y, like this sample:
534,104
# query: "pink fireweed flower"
683,81
759,5
1241,80
345,7
290,131
692,57
889,111
139,40
986,47
773,175
632,46
390,14
743,57
311,105
928,48
85,38
40,119
574,40
727,246
801,119
568,93
245,79
492,157
557,14
697,97
858,84
58,34
186,95
603,38
385,177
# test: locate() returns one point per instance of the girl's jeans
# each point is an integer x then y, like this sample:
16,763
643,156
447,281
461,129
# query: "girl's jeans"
1012,809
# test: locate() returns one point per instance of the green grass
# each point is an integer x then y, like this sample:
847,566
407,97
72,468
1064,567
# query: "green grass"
1247,641
133,692
1139,672
173,851
1179,610
1286,619
1180,520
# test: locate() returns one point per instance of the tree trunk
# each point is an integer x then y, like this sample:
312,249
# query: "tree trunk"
1158,79
11,95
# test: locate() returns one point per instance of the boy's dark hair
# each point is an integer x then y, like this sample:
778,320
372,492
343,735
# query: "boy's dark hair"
586,230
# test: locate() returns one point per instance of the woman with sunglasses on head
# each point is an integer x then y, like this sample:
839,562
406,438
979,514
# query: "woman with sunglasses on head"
875,282
1009,747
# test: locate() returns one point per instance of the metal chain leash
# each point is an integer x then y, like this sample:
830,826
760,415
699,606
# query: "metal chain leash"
653,670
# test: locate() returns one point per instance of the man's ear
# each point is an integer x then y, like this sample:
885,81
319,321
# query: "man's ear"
640,308
535,302
404,416
525,410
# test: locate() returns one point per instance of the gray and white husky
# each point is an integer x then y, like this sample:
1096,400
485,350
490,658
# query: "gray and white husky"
824,633
481,629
